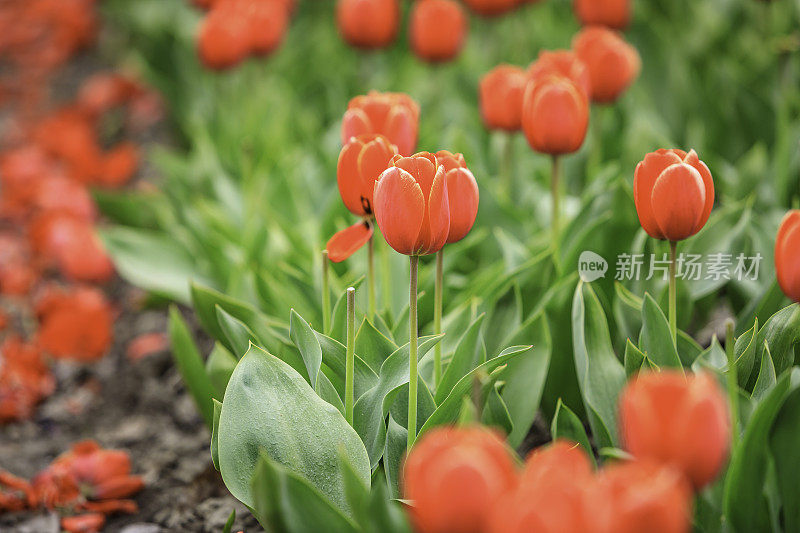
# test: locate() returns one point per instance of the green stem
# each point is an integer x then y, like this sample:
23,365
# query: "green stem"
371,276
506,164
412,353
350,355
386,274
673,291
326,293
555,193
437,316
733,382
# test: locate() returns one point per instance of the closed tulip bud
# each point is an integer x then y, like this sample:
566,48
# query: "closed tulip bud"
501,91
368,24
555,115
411,204
787,258
224,39
393,115
640,496
268,22
677,420
674,194
462,194
613,63
454,476
361,161
491,8
437,29
612,13
564,63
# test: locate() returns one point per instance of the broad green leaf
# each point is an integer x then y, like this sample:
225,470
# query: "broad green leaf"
305,340
237,336
396,442
219,367
655,339
469,353
782,332
566,425
783,442
713,358
270,408
385,515
504,320
766,376
334,355
339,319
745,352
762,308
627,311
373,346
634,359
129,207
688,349
495,412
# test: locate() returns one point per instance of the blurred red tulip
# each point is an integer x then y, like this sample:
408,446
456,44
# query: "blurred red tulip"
501,91
83,523
787,255
411,204
555,115
24,379
674,194
57,193
18,274
490,8
105,91
119,165
564,63
368,24
613,63
453,476
69,135
361,162
462,194
269,20
393,115
677,420
224,39
437,29
612,13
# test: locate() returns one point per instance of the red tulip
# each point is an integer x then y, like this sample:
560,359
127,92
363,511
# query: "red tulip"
612,13
637,496
24,381
490,8
393,115
501,91
555,115
462,194
677,420
368,24
268,22
224,39
787,261
361,162
437,29
411,204
564,63
613,64
674,194
453,476
83,523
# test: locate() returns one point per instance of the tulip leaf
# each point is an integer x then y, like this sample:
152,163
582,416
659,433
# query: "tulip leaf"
373,346
769,303
627,309
566,425
269,407
425,404
600,374
745,354
783,442
229,522
215,434
504,319
334,355
655,339
688,349
712,358
634,359
237,336
306,342
339,319
766,375
470,352
782,332
219,367
396,442
495,412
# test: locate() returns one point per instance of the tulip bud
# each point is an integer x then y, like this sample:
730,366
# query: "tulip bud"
411,204
437,29
612,13
787,261
368,24
555,115
224,39
613,64
462,194
361,161
677,420
491,8
453,476
268,22
564,63
501,91
674,193
393,115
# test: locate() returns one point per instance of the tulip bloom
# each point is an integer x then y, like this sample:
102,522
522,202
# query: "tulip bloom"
677,420
368,24
224,39
564,63
454,476
393,115
500,92
24,381
555,115
491,8
612,13
787,263
437,29
613,63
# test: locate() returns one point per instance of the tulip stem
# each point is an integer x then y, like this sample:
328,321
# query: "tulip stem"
386,274
437,316
733,382
350,355
555,193
507,163
673,320
412,354
326,293
371,276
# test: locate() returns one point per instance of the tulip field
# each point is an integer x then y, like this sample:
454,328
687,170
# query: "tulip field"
432,266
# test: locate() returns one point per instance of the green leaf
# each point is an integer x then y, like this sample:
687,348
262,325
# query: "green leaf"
688,349
128,207
306,341
396,442
229,522
269,407
373,346
713,358
783,443
745,352
504,320
627,311
782,332
190,365
219,367
237,336
469,353
385,515
655,339
215,434
766,376
600,374
566,425
634,359
334,355
339,320
495,412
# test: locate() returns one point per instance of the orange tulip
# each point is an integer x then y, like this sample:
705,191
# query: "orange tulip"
636,496
612,13
361,162
24,381
268,22
613,63
393,115
564,63
674,194
368,24
437,29
787,261
462,194
491,8
500,92
411,204
680,421
555,115
224,39
453,476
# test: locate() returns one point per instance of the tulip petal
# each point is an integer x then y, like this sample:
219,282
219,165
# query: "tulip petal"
401,128
351,187
348,241
645,176
678,200
399,209
462,193
438,214
355,122
373,159
692,159
787,245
